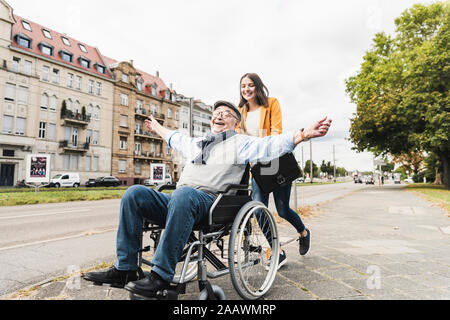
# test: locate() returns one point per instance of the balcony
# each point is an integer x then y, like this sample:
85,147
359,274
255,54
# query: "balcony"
147,155
72,118
139,133
140,113
65,146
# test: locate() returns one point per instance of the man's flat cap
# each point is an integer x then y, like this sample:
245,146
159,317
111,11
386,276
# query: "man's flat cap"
229,105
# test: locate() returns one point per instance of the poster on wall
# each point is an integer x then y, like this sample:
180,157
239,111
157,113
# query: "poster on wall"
38,168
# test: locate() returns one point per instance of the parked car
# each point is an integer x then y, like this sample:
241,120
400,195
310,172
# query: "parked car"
150,182
301,179
65,180
104,182
358,180
409,180
370,180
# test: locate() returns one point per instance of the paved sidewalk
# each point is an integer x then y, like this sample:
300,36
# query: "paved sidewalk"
378,243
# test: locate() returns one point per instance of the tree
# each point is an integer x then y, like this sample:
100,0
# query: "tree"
402,90
63,108
308,168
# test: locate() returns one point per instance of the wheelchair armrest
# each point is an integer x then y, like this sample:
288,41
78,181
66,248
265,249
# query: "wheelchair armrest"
166,187
235,187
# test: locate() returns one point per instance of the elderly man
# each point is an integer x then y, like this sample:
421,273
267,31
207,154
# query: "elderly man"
213,163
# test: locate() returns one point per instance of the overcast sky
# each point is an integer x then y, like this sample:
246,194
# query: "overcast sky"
303,50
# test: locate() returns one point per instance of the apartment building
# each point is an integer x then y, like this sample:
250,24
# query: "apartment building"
57,99
138,94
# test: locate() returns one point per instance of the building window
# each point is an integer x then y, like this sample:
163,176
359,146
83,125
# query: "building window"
15,64
21,124
167,95
69,80
10,92
24,41
84,63
44,102
95,137
139,104
7,124
83,48
46,49
55,76
74,162
8,153
42,129
90,110
100,68
169,113
45,73
87,163
124,121
26,25
95,164
52,104
66,56
123,143
88,136
140,85
52,131
22,96
78,83
99,88
65,41
66,161
97,113
91,86
154,109
176,115
47,34
153,90
125,78
124,99
137,168
27,68
122,166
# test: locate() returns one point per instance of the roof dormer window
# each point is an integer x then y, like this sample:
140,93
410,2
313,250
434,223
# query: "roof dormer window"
46,48
23,41
83,48
140,85
66,56
100,68
47,34
86,63
65,41
26,25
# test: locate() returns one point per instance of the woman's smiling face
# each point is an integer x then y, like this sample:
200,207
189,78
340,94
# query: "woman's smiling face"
248,89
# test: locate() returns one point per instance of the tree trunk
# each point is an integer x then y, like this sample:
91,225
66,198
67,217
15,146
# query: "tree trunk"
445,171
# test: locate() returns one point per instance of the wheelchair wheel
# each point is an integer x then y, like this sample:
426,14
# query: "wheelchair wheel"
191,272
253,251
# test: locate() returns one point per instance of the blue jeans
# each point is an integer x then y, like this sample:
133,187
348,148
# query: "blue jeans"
178,212
281,197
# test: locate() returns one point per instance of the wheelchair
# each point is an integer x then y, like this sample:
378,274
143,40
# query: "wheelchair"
249,229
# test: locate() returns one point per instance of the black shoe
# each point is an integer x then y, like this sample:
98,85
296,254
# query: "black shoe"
149,286
112,276
304,243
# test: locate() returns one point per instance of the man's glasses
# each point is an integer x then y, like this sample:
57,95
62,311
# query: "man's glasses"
223,114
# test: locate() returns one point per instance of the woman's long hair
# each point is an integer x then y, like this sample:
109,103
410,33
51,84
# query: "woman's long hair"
262,93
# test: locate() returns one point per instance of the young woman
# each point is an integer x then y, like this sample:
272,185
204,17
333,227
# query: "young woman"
262,117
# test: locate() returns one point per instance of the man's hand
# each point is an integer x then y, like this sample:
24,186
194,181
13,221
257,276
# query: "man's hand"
155,126
319,129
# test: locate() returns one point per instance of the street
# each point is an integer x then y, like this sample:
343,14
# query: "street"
359,230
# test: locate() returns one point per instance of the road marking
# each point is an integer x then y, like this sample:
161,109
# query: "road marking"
43,214
84,234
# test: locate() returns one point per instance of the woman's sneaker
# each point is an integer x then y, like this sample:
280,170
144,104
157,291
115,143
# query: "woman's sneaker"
304,243
281,261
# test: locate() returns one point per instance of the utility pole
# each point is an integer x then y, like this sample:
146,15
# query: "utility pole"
311,161
334,162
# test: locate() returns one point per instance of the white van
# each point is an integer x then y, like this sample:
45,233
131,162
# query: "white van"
65,180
